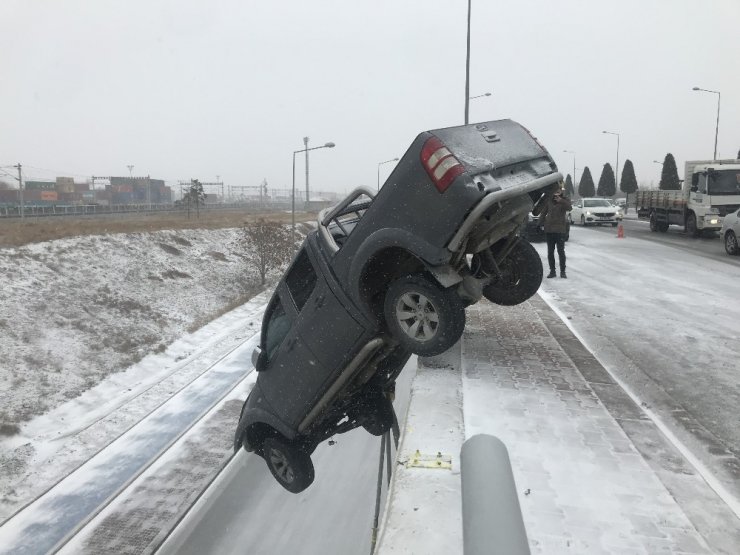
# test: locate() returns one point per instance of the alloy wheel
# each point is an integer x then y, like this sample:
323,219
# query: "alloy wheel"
281,465
417,316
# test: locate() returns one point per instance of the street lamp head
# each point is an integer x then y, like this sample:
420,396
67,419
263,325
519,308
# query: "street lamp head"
395,160
696,89
330,145
487,94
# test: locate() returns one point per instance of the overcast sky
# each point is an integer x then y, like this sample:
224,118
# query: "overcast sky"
184,89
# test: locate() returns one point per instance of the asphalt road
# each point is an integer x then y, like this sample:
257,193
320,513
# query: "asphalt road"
709,247
661,311
246,511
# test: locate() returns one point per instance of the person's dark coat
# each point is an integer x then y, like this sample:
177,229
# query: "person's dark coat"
553,214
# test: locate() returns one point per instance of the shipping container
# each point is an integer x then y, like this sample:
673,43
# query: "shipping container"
39,185
65,184
9,196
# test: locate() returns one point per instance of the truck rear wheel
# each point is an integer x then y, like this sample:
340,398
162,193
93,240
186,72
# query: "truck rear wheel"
521,276
654,225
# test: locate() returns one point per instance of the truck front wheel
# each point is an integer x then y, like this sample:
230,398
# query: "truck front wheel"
422,316
691,228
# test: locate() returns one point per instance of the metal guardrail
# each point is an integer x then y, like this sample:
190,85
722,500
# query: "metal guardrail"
36,211
492,517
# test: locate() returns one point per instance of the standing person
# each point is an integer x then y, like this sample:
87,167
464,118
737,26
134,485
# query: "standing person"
553,212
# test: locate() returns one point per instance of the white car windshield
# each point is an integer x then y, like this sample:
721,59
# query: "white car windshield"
596,203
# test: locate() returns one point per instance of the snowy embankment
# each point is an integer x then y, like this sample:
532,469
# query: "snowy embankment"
75,311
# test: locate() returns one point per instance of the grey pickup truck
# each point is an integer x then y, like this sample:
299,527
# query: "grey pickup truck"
388,275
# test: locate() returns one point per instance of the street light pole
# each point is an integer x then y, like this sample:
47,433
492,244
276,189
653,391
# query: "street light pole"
292,210
716,129
574,168
616,170
467,68
305,146
380,164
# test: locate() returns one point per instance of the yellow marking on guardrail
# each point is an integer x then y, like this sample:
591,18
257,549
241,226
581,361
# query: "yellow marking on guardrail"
421,460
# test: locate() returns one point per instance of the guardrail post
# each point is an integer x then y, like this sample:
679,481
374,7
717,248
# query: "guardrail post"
492,517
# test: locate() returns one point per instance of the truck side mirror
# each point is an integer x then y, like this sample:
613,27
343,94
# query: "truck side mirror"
694,188
259,360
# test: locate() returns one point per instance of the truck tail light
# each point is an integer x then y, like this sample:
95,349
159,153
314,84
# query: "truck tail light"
440,163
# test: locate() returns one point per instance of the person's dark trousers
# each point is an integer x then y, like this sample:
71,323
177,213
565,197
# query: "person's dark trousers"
554,239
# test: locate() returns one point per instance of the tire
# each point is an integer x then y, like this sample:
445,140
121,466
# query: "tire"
290,465
614,224
521,276
583,220
691,228
663,227
378,417
425,318
567,233
731,245
654,224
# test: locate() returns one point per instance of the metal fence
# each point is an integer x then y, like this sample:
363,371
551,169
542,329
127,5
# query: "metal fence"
33,211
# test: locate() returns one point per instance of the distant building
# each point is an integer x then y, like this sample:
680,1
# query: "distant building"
138,190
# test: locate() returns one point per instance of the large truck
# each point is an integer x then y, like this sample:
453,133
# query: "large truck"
710,191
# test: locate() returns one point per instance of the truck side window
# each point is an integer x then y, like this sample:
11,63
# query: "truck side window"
702,185
301,279
278,326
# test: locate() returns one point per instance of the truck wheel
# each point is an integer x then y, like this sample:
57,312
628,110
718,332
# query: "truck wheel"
425,318
521,276
691,228
378,417
654,225
290,465
663,227
731,246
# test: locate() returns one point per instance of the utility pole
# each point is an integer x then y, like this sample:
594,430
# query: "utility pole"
20,188
305,144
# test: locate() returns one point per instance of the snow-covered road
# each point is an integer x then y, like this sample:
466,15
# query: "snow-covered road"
663,315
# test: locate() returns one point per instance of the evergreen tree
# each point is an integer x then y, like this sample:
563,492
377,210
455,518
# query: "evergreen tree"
569,190
628,183
607,184
669,176
195,196
586,185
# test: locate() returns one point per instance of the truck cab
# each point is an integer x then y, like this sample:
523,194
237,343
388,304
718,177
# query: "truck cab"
713,191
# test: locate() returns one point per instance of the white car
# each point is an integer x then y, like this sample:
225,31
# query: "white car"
730,232
596,211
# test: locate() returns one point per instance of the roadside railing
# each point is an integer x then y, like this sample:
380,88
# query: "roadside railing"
492,517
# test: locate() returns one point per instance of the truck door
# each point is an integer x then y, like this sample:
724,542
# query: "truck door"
287,379
333,329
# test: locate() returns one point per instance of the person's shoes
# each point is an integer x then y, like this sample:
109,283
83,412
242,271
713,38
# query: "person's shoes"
551,274
562,274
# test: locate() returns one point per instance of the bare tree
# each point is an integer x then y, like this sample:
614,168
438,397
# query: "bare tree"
268,246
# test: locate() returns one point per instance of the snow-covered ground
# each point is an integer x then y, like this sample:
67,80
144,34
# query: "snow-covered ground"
77,316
